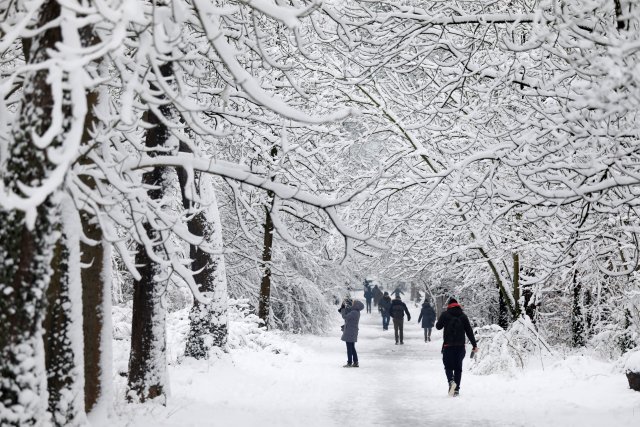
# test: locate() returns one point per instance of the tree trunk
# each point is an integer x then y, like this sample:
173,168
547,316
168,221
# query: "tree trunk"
503,312
26,243
96,272
147,360
96,310
63,327
530,306
577,318
265,286
208,322
516,285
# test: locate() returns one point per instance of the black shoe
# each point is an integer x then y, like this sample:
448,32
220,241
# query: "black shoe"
396,342
401,342
456,393
355,365
348,365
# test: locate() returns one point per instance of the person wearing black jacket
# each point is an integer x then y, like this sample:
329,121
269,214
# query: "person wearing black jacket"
397,311
428,318
456,325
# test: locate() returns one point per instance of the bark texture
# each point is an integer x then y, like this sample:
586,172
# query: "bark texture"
264,302
208,322
62,338
147,360
26,244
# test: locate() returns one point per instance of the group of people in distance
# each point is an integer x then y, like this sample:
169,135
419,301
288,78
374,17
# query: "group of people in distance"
453,320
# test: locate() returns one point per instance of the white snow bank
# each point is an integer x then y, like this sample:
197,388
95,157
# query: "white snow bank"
633,362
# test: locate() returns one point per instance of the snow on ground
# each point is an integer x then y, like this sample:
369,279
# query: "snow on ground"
303,383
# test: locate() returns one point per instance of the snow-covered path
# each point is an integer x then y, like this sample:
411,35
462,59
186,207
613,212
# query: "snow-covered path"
396,385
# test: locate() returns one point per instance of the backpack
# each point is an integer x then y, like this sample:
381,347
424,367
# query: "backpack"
454,331
397,310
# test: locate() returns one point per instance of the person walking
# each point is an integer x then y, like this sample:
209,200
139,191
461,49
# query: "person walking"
368,295
456,325
397,311
377,295
428,318
385,306
397,292
350,311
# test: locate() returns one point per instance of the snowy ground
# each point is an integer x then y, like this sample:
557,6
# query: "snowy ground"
395,386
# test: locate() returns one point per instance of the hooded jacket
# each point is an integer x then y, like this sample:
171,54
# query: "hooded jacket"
385,305
456,325
427,315
351,316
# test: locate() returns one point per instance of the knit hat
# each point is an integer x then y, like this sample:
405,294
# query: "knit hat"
386,294
452,300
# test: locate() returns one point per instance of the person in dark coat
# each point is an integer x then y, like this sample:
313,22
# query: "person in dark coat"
428,318
385,310
368,295
397,311
456,325
350,312
397,292
377,295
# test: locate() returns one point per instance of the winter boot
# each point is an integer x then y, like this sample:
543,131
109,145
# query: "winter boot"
456,393
355,365
452,388
348,365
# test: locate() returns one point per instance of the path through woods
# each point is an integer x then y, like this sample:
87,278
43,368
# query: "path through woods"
395,386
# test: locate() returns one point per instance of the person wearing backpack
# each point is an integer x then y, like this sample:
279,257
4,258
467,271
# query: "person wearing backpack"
428,317
456,325
397,311
385,306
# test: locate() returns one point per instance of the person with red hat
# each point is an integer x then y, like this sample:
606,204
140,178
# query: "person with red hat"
456,325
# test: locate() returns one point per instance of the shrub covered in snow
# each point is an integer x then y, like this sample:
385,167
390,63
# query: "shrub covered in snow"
245,332
300,307
507,351
632,370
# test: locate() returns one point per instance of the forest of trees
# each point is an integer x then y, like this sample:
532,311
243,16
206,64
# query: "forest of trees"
276,150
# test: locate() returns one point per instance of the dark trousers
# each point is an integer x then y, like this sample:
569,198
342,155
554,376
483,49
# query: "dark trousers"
452,358
398,326
427,333
352,356
385,321
368,305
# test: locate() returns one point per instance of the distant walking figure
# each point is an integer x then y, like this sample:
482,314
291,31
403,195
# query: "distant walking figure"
385,310
377,295
397,292
456,325
350,311
368,295
398,309
428,317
